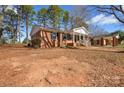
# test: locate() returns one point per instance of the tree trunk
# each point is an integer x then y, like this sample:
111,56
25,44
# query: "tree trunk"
27,29
19,29
13,31
1,33
16,31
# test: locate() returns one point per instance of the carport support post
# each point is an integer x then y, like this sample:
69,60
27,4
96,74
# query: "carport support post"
61,43
114,41
74,40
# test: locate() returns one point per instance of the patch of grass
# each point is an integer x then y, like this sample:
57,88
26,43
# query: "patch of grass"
121,46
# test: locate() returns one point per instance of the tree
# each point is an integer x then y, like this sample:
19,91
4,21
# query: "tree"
54,13
78,17
120,33
11,24
79,22
2,14
42,16
27,11
71,19
116,10
19,15
60,18
95,30
66,19
1,29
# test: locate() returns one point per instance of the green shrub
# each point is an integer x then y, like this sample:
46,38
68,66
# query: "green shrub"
36,46
36,43
3,41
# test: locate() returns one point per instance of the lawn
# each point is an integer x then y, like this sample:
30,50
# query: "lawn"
61,67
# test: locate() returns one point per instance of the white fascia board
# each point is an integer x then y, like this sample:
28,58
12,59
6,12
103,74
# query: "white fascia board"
81,30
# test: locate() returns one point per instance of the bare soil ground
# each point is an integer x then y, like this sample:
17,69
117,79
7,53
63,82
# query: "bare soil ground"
93,66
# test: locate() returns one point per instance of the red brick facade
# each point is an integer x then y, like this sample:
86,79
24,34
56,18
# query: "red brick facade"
104,41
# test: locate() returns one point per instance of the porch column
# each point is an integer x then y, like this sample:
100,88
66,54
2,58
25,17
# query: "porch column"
58,39
114,43
66,39
74,44
80,39
84,41
102,41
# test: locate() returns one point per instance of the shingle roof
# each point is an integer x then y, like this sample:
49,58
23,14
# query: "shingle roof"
35,29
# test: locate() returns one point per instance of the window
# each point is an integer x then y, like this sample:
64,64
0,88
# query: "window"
53,36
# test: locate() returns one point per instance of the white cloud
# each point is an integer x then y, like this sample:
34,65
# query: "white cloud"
96,18
101,19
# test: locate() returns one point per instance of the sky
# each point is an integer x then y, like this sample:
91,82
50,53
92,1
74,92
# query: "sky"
65,7
109,23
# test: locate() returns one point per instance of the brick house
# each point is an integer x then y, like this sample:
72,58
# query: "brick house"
50,37
105,40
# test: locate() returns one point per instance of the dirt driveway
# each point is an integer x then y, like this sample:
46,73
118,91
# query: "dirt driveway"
61,67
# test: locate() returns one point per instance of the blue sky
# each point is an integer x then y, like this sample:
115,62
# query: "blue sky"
109,23
65,7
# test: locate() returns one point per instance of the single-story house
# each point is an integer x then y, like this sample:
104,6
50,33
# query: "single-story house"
105,40
50,37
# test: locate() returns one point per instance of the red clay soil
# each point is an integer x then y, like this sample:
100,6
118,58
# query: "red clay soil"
61,67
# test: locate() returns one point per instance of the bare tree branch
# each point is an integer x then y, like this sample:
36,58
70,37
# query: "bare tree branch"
105,11
115,10
122,21
121,9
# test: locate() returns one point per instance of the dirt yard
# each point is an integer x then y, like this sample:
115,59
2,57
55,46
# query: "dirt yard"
61,67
